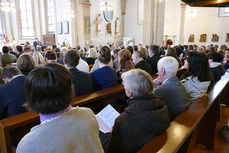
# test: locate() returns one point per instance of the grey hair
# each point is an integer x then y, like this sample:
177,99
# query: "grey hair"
170,64
139,82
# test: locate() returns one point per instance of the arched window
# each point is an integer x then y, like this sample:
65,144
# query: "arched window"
51,15
26,13
226,11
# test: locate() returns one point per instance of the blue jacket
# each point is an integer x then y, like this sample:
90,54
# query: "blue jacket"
104,77
12,97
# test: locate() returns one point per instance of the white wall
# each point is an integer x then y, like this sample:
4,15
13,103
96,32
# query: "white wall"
105,38
131,26
206,21
61,6
172,19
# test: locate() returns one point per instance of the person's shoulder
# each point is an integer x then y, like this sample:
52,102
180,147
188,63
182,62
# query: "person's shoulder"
81,110
28,142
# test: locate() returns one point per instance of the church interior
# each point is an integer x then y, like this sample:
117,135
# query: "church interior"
114,76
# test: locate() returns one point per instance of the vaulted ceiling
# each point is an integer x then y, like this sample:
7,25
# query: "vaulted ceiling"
207,3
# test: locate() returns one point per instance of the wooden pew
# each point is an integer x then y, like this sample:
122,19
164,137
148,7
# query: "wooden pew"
195,125
181,134
12,129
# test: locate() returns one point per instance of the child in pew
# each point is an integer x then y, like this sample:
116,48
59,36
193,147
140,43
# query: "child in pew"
144,118
63,128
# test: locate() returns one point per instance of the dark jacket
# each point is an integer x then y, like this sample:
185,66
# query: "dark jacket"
144,66
173,94
104,77
142,120
218,72
82,81
60,60
12,97
153,62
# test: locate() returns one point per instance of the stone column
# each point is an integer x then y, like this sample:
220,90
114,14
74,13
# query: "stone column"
183,8
153,28
159,31
82,23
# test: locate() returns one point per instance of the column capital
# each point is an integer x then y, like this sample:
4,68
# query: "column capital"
83,4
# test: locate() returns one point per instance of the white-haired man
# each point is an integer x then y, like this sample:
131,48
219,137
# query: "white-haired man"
168,87
144,118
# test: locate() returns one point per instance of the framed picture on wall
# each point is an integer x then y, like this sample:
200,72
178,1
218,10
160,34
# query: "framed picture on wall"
66,27
59,28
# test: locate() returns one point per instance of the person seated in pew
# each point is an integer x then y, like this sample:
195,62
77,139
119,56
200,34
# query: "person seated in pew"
82,81
154,56
125,61
105,76
215,60
50,56
25,63
12,93
63,128
199,76
140,63
144,118
6,57
168,88
60,60
115,58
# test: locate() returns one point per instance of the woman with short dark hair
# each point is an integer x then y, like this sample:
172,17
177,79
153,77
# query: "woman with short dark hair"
63,128
105,76
199,75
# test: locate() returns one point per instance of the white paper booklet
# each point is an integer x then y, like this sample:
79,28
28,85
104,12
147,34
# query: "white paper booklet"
106,118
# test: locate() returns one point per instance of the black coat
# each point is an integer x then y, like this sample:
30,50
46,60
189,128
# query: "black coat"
143,119
82,81
153,62
144,66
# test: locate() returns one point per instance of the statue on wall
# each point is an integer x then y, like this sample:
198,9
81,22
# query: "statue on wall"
215,37
191,38
227,37
117,26
99,21
203,37
109,29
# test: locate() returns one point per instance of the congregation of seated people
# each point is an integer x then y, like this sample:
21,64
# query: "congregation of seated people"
45,79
